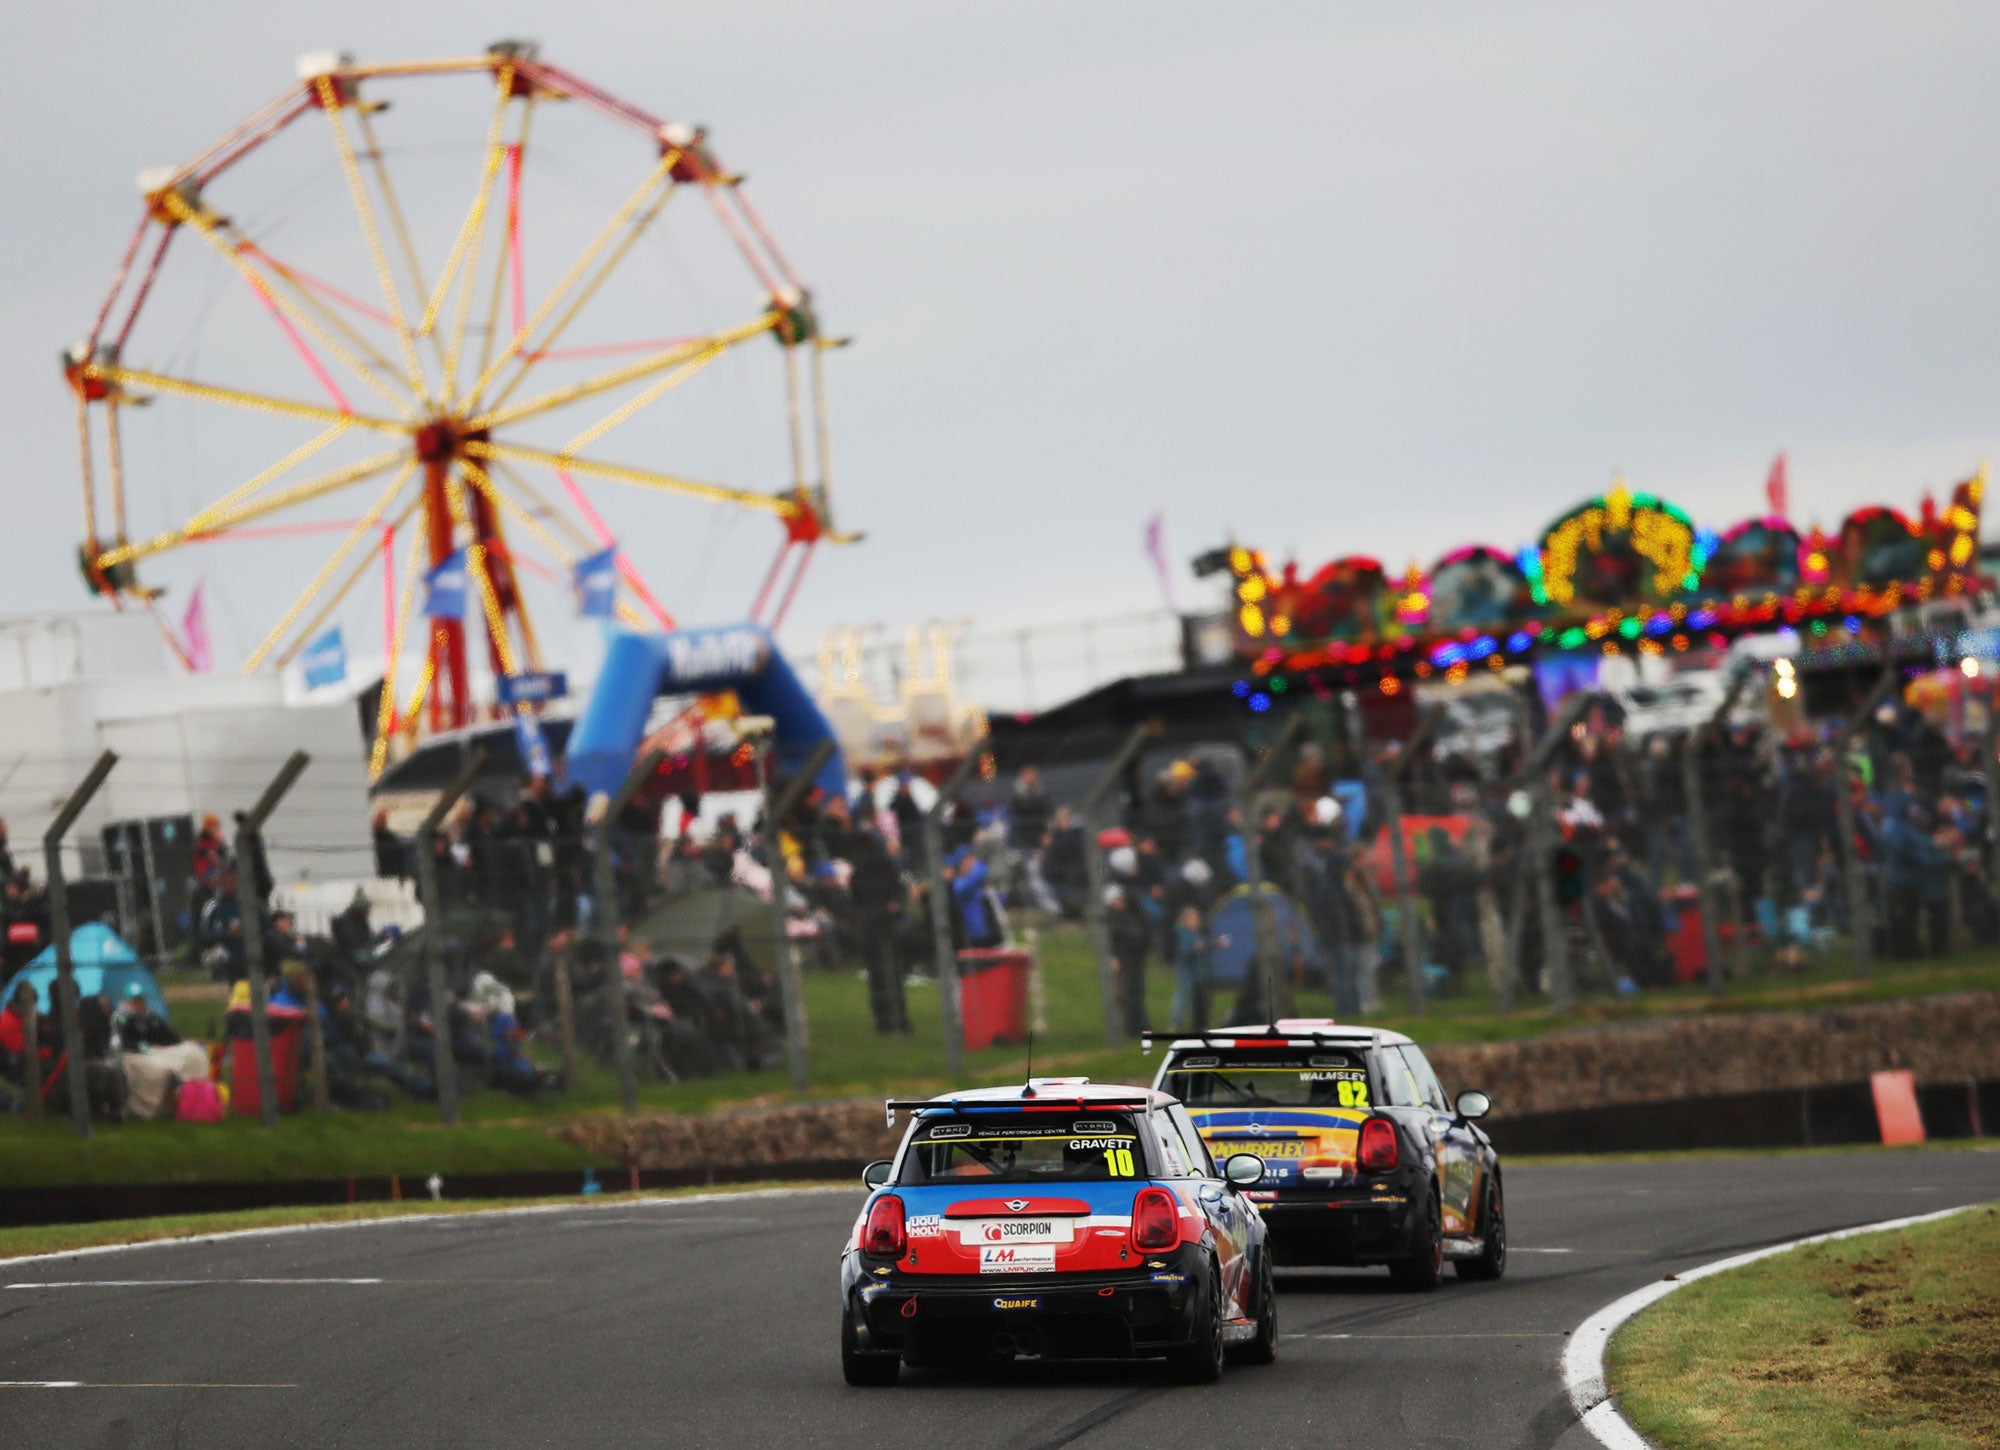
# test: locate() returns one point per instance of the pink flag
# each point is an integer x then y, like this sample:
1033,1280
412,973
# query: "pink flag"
1774,488
1156,550
194,631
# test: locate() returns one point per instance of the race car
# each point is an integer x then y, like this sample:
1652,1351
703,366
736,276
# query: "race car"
1365,1159
1060,1220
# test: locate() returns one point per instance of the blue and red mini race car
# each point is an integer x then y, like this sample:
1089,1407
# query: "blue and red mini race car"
1059,1220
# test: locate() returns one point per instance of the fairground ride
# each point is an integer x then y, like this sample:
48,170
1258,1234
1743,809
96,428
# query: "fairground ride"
453,395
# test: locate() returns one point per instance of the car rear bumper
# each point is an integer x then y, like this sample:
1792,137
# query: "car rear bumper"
1338,1226
1078,1316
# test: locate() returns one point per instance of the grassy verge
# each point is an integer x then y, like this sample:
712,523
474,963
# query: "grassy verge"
503,1133
1891,1340
63,1238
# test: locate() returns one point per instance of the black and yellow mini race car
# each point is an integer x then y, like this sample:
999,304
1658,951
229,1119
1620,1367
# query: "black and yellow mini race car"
1366,1160
1060,1220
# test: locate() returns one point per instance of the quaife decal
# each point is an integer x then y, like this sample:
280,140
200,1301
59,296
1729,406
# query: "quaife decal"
1017,1258
1017,1303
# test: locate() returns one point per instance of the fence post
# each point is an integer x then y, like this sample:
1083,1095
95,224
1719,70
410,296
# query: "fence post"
1697,815
565,1018
31,1046
1860,923
949,998
1559,982
777,805
1263,925
1093,860
322,1099
444,1068
1989,763
65,988
1409,929
601,813
250,907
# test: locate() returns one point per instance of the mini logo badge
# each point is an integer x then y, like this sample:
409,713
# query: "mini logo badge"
1015,1205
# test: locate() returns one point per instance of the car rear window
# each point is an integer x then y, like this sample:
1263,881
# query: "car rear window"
1092,1147
1326,1078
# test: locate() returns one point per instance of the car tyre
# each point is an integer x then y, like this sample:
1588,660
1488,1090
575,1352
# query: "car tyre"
1200,1363
1492,1261
1264,1348
1423,1270
864,1369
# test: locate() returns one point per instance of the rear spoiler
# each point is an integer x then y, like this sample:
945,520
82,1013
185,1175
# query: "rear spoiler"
1253,1037
953,1105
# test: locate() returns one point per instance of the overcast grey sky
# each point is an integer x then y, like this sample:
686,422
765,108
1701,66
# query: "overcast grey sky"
1332,277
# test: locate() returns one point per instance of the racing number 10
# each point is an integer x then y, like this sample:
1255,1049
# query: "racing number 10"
1119,1162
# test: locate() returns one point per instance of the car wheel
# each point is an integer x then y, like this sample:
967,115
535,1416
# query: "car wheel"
1492,1261
864,1369
1200,1363
1422,1271
1264,1348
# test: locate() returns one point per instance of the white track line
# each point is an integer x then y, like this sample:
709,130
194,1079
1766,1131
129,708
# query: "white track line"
626,1204
1583,1359
175,1283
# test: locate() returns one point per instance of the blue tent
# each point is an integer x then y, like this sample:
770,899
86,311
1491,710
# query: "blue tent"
103,962
1234,928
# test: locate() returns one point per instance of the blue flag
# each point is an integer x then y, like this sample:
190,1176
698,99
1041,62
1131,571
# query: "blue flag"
597,584
532,744
444,588
325,660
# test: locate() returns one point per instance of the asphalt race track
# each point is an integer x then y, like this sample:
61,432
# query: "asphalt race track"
714,1323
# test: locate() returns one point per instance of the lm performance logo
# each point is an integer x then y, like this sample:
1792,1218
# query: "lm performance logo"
1017,1258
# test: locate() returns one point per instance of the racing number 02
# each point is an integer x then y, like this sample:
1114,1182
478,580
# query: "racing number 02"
1119,1162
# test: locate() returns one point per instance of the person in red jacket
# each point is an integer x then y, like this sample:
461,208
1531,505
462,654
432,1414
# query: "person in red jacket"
14,1041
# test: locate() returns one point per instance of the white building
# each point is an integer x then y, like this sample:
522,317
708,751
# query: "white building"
74,685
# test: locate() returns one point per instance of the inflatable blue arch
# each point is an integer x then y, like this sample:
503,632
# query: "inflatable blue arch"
639,668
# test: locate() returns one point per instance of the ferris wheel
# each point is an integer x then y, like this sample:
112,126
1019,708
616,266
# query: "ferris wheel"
452,415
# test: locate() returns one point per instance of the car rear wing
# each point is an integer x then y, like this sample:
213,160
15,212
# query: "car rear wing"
1039,1102
1255,1037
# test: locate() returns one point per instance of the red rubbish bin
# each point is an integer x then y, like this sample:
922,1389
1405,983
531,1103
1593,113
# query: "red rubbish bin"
993,995
245,1099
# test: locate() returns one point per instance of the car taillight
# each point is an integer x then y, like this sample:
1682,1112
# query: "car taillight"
884,1232
1156,1220
1379,1152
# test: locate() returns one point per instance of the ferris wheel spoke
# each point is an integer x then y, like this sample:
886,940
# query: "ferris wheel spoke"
385,711
467,241
532,519
212,522
282,466
362,528
330,101
550,544
206,225
645,399
622,219
671,357
237,397
363,567
645,478
392,204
